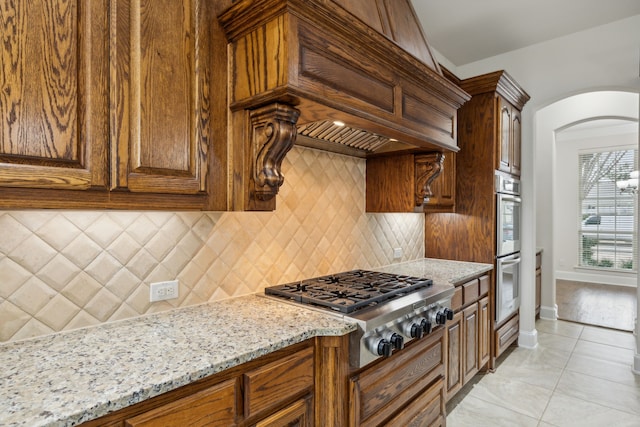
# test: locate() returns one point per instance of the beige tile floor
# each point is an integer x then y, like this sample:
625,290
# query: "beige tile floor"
578,376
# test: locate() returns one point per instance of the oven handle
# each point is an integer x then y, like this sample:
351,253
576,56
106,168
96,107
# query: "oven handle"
509,260
509,197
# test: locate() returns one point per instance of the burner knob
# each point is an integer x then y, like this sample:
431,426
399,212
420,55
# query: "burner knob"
413,328
384,348
441,318
379,346
426,326
449,313
396,340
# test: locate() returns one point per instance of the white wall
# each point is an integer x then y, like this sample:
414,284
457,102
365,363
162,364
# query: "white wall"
569,143
604,57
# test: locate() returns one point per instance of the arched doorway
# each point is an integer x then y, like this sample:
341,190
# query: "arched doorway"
548,121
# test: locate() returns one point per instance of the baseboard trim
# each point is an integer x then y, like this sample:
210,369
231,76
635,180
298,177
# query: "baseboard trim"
549,313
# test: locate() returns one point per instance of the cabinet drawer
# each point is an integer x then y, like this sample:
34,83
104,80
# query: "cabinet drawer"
214,406
470,292
388,386
298,413
277,382
456,301
423,410
485,283
507,334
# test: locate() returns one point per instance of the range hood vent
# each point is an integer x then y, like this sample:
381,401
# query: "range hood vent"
297,66
329,132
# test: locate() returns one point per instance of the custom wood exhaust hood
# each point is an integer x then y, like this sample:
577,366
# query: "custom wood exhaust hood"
350,76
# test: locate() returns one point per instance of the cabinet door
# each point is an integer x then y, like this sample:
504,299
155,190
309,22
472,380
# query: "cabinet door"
160,96
504,145
53,97
215,406
454,346
470,350
484,332
516,142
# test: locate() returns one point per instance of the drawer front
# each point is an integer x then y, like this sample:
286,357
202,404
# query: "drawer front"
507,334
485,283
215,406
456,301
424,410
380,391
278,381
470,292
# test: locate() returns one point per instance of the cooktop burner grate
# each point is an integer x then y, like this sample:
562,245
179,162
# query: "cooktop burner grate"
350,291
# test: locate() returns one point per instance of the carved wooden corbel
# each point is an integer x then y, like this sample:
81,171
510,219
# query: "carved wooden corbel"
273,133
427,168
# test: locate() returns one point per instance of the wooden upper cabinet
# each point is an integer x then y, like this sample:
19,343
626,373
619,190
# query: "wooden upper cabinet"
53,94
123,99
160,115
509,156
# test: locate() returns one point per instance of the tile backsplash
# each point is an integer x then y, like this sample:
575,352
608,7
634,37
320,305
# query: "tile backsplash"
69,269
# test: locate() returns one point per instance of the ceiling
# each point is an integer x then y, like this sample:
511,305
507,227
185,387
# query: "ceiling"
465,31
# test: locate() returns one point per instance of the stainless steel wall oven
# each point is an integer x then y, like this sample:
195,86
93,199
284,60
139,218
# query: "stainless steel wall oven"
508,232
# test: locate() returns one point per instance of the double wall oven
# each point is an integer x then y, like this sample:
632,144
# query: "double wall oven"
508,232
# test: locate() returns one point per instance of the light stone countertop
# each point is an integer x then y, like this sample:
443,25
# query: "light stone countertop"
70,377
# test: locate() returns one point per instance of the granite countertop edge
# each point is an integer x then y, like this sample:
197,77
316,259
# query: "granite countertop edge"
119,364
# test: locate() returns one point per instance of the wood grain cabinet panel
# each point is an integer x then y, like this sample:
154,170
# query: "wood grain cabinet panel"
470,292
121,99
212,407
424,410
385,389
298,414
484,332
53,94
509,148
471,342
454,340
506,335
277,382
160,115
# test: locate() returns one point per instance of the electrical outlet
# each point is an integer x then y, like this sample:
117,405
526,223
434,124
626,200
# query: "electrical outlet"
161,291
397,253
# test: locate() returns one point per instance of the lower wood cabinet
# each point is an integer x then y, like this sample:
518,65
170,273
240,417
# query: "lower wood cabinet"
407,389
274,390
454,342
470,329
484,332
468,336
214,406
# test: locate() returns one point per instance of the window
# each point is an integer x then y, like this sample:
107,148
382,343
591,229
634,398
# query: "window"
607,235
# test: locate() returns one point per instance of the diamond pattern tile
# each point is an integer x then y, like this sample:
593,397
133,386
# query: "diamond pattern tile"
70,269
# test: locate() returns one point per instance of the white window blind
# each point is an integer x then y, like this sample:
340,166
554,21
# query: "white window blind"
608,231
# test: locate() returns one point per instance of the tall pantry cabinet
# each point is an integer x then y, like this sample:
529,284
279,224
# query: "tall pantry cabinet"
489,137
109,104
